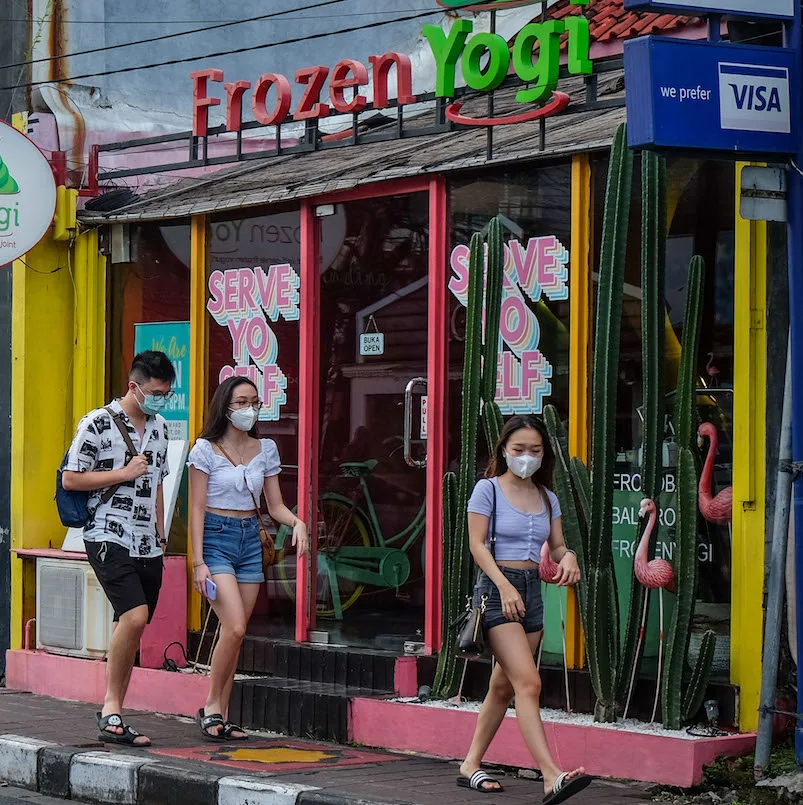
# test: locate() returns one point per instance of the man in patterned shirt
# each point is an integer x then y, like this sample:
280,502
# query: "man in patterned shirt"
124,446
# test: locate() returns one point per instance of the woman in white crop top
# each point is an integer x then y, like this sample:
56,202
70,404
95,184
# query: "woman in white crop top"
229,470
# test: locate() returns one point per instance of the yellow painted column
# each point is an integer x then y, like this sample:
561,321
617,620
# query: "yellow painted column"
199,361
749,419
89,273
43,360
579,341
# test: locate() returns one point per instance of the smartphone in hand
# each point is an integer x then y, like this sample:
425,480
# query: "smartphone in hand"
211,589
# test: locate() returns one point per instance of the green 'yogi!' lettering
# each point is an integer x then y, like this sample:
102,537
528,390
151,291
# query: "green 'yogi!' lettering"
498,61
579,45
544,71
446,51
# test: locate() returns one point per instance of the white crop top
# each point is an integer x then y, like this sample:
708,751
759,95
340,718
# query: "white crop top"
226,489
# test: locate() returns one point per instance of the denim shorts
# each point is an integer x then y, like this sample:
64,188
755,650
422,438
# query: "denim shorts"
528,583
232,547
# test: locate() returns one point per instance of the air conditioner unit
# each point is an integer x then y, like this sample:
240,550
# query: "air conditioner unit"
73,615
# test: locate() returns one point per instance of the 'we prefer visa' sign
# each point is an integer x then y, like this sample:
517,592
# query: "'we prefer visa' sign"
706,96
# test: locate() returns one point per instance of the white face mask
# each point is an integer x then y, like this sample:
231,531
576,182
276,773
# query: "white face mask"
244,418
523,466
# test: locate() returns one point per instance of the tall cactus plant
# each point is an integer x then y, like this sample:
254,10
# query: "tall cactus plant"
479,386
589,528
682,696
653,314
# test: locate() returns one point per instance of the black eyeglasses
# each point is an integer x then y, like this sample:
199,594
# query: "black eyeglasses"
239,405
157,395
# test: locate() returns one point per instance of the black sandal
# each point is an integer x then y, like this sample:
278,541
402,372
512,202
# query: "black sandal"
481,781
128,737
565,787
229,728
205,722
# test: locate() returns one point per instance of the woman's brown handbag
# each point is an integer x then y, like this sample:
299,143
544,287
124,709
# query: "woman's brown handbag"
470,644
265,537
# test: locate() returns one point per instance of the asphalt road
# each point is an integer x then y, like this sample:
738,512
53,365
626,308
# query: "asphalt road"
19,796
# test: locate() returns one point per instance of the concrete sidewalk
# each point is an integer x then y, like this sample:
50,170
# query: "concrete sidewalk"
51,746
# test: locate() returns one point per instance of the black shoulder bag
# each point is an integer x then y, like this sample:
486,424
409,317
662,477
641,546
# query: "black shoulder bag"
470,643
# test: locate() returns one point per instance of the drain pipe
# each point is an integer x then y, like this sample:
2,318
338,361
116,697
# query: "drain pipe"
776,582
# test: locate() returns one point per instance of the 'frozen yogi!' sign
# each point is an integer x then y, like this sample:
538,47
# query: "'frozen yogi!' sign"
246,300
27,194
532,270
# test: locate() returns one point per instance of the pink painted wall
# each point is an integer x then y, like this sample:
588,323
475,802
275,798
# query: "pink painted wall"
85,681
169,622
604,752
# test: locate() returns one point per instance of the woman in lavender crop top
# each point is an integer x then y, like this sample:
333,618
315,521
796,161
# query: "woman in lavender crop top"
527,516
230,468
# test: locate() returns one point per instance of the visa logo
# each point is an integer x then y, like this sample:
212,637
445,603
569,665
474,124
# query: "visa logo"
754,98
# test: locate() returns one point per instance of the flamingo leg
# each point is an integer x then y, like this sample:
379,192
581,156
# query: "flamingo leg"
641,631
660,651
541,644
565,660
459,697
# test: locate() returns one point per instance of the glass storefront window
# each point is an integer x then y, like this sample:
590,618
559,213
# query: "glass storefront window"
534,204
253,285
149,308
700,221
373,324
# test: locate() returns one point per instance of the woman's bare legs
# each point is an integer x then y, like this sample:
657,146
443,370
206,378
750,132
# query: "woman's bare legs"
492,714
514,653
233,607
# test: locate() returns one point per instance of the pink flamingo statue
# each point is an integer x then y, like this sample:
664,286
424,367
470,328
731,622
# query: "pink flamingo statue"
548,570
656,574
717,509
711,369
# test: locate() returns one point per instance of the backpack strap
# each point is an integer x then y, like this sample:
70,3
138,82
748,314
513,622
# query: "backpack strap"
118,421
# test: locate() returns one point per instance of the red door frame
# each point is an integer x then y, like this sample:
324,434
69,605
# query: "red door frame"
437,390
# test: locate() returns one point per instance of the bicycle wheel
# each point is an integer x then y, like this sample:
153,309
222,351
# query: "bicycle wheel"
344,526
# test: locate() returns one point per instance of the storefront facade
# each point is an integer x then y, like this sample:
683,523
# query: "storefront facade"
283,295
336,281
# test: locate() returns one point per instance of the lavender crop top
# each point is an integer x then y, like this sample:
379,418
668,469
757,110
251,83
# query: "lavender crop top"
227,483
519,535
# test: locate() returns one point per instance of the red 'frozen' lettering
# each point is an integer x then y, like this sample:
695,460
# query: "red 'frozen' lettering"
283,102
200,101
310,106
404,78
342,80
234,104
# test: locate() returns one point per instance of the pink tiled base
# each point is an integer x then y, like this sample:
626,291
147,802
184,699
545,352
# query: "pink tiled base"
604,752
85,681
169,623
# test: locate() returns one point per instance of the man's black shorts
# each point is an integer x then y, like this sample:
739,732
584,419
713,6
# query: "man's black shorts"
128,582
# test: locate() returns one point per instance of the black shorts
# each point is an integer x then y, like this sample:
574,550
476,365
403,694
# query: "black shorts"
528,583
128,582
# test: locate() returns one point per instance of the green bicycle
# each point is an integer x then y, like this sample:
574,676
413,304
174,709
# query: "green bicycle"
352,550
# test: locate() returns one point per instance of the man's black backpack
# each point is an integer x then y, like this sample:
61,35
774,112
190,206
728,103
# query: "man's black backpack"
74,506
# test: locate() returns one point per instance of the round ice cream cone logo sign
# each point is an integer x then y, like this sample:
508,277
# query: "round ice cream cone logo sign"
8,184
27,195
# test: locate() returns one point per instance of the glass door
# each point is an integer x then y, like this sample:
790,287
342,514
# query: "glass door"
372,437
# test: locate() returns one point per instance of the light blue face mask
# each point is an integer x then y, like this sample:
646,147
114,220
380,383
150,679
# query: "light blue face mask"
152,404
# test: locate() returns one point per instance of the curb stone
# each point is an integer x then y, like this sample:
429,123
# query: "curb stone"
19,760
53,770
168,784
113,778
338,798
255,791
106,778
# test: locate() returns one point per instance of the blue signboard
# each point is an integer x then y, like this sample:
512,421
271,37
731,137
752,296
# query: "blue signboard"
705,96
777,9
172,338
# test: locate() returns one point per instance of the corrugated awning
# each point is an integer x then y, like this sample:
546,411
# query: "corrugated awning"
295,176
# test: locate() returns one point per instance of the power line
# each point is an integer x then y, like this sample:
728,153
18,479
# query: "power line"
204,22
173,35
235,51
